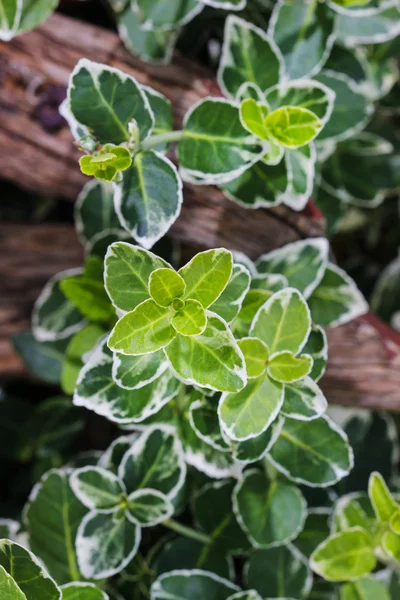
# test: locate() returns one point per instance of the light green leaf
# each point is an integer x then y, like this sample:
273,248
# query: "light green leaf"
144,330
165,285
256,448
382,500
211,359
391,545
303,93
303,263
271,513
149,198
43,359
285,367
337,299
52,515
82,591
191,319
343,556
316,453
106,544
317,347
283,322
148,508
252,116
207,275
255,354
395,522
106,164
162,109
304,400
8,588
96,488
86,292
134,372
156,14
353,510
195,584
97,97
229,303
248,413
304,33
203,418
10,15
292,126
54,317
127,272
215,145
279,573
367,588
154,461
246,51
30,577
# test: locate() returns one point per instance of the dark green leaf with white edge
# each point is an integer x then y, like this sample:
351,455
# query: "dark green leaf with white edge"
300,165
256,355
279,572
283,322
96,390
155,461
336,300
156,14
385,300
148,508
29,575
245,52
82,591
316,529
134,372
343,556
247,414
229,303
316,453
317,347
383,503
43,359
271,513
9,529
106,544
162,110
376,28
165,285
35,12
148,200
212,359
304,33
194,584
367,588
106,101
127,272
54,317
286,368
212,508
304,400
97,488
303,93
52,502
247,595
183,553
303,263
10,11
215,145
226,4
351,110
191,319
8,588
204,421
207,275
255,449
292,126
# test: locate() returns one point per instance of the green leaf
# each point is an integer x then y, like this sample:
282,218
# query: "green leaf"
207,275
52,515
165,285
9,529
162,109
148,508
376,28
97,391
155,14
346,555
144,330
286,368
43,359
391,546
82,591
304,33
316,453
248,413
252,116
8,588
149,198
135,372
385,298
395,522
211,359
106,544
353,510
303,263
54,317
316,529
256,448
279,573
292,126
82,342
271,513
29,575
256,355
35,12
215,145
283,322
317,348
303,93
300,164
204,421
245,52
97,97
195,584
229,303
304,400
154,461
107,163
367,588
382,500
96,488
10,15
191,319
337,300
126,274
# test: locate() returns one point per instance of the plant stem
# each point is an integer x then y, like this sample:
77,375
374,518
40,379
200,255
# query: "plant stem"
188,532
161,138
